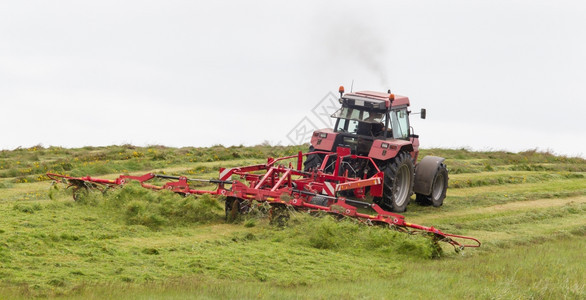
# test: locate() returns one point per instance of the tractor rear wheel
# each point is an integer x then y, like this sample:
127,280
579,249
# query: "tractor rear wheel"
438,189
398,185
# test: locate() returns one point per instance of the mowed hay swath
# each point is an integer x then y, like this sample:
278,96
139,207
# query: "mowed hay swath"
141,241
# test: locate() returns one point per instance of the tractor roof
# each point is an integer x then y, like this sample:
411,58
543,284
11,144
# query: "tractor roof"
376,98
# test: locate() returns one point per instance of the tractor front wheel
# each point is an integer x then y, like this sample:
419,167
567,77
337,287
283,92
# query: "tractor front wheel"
398,185
313,161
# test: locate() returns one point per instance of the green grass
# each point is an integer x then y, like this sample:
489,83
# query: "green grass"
523,272
527,208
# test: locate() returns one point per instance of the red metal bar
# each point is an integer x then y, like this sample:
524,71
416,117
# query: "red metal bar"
358,184
285,176
299,161
264,178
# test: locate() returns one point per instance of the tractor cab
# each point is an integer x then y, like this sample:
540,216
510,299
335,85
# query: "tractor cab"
360,122
372,124
368,116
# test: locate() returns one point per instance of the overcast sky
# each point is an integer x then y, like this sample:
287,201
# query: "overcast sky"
493,75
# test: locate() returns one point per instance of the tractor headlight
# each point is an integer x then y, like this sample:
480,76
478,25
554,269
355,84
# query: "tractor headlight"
323,135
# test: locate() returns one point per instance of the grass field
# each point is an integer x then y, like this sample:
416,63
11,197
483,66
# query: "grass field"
528,209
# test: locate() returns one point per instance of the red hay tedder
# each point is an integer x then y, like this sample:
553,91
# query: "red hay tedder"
366,163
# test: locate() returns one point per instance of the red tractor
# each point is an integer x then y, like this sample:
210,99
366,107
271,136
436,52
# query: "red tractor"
368,160
376,125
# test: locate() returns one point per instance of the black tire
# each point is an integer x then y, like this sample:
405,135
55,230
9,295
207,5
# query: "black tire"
232,209
319,200
398,185
279,215
313,161
438,189
80,193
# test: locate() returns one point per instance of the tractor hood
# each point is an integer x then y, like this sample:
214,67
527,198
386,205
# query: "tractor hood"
323,139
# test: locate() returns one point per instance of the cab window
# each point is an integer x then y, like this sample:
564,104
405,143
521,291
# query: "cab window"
400,124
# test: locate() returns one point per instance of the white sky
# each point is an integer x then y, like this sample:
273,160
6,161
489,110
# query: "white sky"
493,75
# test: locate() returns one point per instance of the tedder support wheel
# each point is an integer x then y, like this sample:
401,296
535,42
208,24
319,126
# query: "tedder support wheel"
438,189
398,185
278,215
232,209
80,193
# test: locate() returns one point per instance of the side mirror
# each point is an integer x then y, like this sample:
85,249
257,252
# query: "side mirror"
423,113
